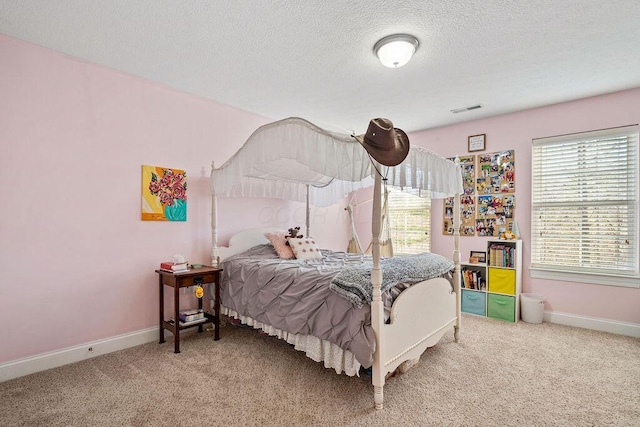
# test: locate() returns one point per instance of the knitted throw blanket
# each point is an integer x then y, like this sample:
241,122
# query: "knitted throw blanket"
354,282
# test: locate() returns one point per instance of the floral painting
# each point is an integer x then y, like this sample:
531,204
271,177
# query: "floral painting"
164,194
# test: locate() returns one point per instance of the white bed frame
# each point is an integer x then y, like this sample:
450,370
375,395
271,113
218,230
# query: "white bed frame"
420,316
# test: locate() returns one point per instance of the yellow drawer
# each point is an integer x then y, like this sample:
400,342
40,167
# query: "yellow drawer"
502,281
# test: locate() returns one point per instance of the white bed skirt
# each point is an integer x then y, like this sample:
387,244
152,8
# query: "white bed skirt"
315,348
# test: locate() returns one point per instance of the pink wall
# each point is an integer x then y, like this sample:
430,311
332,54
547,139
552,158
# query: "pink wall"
515,131
77,262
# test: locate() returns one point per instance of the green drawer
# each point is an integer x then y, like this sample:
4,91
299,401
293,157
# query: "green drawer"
501,307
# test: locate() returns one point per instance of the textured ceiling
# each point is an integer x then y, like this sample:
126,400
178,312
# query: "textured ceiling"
314,59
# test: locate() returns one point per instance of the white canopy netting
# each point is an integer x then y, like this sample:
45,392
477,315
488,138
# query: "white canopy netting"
285,158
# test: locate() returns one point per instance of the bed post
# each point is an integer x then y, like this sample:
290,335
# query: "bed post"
456,260
307,223
214,223
377,315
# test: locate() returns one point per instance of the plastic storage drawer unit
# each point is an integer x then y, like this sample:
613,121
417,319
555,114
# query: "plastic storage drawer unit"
502,281
474,302
501,307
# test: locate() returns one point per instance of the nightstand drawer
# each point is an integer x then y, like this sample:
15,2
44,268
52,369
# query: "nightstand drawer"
200,279
501,307
502,281
195,276
474,302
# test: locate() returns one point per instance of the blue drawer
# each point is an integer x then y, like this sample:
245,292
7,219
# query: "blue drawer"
474,302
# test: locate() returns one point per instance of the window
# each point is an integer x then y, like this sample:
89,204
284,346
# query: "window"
409,222
584,219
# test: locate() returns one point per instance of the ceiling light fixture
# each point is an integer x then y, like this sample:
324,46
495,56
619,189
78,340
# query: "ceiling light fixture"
396,50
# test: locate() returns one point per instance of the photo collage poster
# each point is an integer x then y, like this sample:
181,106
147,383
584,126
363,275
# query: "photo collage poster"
495,214
496,173
488,203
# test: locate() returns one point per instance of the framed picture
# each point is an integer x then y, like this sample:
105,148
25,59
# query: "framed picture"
477,142
482,256
164,194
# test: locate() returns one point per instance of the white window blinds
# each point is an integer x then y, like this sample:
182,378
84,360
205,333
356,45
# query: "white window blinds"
409,222
585,203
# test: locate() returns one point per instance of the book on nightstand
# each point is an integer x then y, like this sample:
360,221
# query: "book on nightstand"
191,315
173,267
193,322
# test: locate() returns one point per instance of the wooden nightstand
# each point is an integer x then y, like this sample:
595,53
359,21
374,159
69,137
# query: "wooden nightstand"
195,276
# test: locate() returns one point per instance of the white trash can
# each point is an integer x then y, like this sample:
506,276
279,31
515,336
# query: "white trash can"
532,308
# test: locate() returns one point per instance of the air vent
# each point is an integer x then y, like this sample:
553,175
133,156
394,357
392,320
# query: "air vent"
460,110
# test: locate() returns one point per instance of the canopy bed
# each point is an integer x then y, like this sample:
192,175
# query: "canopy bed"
395,322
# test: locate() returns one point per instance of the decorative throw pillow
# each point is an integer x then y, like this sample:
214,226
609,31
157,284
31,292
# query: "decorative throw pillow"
305,248
280,244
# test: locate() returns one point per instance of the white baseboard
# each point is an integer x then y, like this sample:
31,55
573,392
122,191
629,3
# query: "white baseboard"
603,325
44,361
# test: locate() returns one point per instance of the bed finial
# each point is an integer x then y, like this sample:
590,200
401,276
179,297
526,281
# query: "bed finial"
215,254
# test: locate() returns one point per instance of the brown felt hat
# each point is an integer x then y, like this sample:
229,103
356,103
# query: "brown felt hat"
386,144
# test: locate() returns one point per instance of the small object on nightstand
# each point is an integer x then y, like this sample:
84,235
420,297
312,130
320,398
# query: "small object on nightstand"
178,259
199,291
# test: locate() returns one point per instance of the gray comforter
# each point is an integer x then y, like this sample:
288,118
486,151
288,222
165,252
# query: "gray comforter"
295,296
354,282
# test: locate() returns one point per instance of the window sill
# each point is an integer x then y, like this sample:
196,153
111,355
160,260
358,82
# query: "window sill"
594,279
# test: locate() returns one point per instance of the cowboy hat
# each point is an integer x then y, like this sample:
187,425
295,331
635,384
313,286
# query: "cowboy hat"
386,144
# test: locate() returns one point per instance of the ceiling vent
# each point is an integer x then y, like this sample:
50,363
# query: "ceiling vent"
460,110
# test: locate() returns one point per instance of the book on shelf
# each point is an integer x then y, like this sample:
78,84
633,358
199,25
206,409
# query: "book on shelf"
472,279
191,315
501,256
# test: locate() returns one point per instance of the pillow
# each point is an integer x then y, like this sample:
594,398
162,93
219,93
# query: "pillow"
280,244
305,248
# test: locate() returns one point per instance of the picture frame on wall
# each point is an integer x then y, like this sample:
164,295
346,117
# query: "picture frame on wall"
477,143
164,194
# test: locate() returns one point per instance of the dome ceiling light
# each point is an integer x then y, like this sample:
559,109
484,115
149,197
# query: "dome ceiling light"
396,50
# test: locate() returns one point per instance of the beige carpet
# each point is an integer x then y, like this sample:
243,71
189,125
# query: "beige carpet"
500,374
